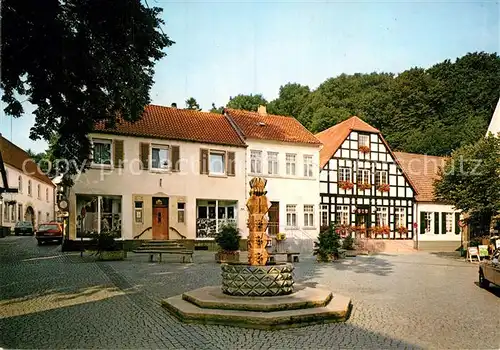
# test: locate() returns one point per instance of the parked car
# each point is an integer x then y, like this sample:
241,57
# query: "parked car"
489,271
23,228
51,231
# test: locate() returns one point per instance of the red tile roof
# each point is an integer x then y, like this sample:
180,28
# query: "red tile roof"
17,158
422,170
179,124
333,137
271,127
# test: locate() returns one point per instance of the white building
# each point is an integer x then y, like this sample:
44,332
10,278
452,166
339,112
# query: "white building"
494,127
438,223
35,198
174,174
284,152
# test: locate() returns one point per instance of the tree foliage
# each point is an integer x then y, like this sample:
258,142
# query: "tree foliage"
192,104
215,109
470,180
79,63
247,102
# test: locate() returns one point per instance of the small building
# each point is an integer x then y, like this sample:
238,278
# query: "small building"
34,200
284,152
438,223
173,174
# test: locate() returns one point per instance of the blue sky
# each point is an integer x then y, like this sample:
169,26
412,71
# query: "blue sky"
224,48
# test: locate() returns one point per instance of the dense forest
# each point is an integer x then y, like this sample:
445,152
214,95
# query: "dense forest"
430,111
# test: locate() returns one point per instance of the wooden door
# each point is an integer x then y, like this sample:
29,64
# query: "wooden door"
160,222
274,218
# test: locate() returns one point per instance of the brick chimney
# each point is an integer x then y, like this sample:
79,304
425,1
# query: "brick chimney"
262,110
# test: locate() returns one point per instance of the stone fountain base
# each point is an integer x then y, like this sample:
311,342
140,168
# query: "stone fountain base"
240,279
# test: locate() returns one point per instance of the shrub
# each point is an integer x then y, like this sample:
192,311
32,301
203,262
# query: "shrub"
105,241
328,244
228,238
348,243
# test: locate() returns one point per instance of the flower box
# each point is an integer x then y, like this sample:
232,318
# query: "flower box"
364,149
402,231
363,186
384,188
346,185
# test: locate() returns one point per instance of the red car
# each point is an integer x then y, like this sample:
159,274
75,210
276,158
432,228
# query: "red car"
51,231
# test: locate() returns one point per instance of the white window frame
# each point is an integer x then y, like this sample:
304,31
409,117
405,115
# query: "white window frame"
255,161
345,174
163,167
20,184
291,215
344,214
399,217
308,165
139,212
323,214
217,153
104,142
309,215
6,213
429,218
291,164
365,176
381,175
12,210
39,191
272,163
361,138
382,216
30,188
449,222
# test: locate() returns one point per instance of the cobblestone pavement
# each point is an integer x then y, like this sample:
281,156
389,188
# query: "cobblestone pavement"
50,299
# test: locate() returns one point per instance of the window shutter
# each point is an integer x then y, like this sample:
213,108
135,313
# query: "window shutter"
436,223
457,227
175,158
422,222
118,153
203,161
144,155
231,166
443,223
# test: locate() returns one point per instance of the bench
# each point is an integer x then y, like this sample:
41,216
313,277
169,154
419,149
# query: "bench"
290,256
152,253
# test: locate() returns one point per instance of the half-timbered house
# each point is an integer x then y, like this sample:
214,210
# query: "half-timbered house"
362,184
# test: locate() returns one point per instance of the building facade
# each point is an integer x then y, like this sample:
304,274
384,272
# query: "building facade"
173,174
286,154
362,184
34,200
438,223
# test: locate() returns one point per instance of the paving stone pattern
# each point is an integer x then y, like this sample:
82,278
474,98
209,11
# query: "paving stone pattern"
50,299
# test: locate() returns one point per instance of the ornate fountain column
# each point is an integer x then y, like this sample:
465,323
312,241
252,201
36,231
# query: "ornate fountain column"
257,222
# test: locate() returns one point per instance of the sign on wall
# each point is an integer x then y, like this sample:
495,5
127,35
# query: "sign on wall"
483,250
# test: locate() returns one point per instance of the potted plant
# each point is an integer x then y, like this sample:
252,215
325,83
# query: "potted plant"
384,188
402,231
106,247
343,230
228,239
348,246
327,246
364,149
346,185
363,186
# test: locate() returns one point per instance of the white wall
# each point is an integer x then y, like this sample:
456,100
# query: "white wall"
495,121
286,189
188,183
43,204
440,208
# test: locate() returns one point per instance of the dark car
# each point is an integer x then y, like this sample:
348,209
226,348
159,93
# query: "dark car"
23,228
489,271
51,231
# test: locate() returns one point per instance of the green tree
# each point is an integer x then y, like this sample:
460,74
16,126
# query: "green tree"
218,110
470,180
291,100
192,104
247,102
79,65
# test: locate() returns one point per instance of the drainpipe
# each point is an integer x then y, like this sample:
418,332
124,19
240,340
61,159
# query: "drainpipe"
98,214
216,215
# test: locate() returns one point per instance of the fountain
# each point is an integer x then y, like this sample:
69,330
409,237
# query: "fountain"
258,294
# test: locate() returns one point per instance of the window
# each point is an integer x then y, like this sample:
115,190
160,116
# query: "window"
308,215
5,212
47,194
39,191
291,215
382,217
308,166
363,176
39,217
449,223
102,152
428,222
138,212
364,140
47,217
19,212
272,163
343,214
180,212
345,174
399,217
217,163
20,184
160,157
290,163
380,178
256,162
323,212
29,187
12,213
